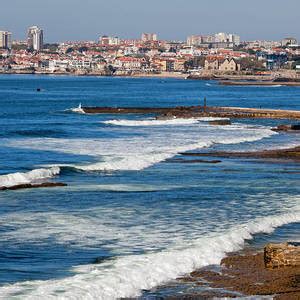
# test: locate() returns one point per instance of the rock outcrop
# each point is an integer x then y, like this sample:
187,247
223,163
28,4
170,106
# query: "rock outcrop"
295,127
32,186
220,122
282,255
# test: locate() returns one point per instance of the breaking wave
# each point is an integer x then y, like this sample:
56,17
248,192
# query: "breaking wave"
148,147
154,122
78,109
127,276
33,176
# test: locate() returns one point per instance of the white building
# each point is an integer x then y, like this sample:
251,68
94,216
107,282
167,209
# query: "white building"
5,39
194,40
146,37
290,41
223,37
109,41
58,65
35,38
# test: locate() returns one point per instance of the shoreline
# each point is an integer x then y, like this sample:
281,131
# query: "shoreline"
243,273
225,79
240,273
138,75
287,154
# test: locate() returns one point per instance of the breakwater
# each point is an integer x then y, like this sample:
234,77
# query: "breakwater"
198,111
260,83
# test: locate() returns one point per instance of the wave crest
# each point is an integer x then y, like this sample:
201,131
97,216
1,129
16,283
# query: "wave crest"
29,177
129,275
154,122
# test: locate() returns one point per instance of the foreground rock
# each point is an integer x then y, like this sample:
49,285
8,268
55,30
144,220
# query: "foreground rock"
32,186
282,255
246,273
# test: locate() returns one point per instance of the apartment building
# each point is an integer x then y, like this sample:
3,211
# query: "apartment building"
35,38
5,40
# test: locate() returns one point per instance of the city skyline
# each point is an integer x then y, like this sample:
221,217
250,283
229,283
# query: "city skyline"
74,20
217,36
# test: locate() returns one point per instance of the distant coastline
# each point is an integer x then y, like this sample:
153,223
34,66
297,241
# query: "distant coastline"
223,79
135,75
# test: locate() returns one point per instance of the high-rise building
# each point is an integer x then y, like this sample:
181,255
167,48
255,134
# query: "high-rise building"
35,38
194,40
198,40
227,38
146,37
289,41
5,39
109,41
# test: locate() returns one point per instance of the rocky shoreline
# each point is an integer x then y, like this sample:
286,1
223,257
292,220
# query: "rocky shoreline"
286,154
244,273
32,186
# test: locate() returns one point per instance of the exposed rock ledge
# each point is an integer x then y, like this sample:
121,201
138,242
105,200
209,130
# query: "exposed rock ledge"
32,186
245,273
290,153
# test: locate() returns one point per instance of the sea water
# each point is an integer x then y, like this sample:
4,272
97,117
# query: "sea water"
130,219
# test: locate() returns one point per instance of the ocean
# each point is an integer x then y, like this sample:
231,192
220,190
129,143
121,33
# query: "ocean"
130,218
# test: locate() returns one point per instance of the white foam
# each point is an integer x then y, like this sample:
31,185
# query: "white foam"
124,187
127,276
78,109
29,177
146,147
151,122
135,162
154,122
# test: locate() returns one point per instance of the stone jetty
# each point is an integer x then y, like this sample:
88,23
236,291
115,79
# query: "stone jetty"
198,112
260,83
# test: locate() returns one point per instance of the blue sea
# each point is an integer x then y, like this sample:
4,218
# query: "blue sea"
130,219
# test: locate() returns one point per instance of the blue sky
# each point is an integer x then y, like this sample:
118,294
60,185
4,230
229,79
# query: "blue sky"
171,19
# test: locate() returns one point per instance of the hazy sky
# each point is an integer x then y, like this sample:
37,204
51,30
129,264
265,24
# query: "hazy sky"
171,19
